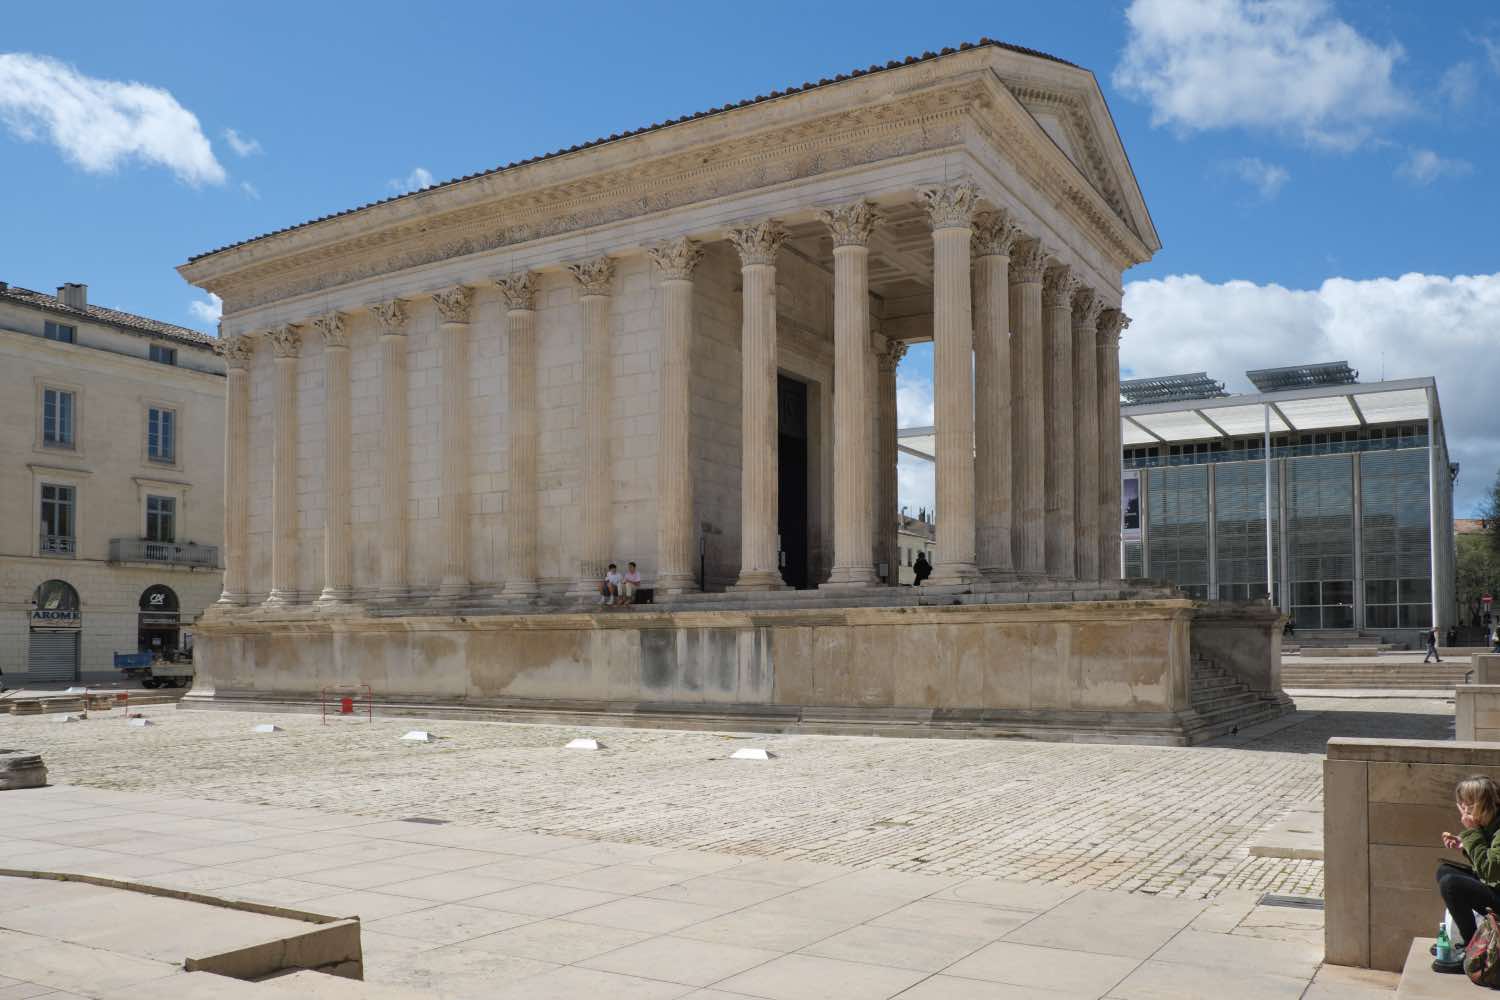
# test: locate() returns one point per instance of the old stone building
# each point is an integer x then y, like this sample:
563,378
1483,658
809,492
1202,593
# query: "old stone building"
448,412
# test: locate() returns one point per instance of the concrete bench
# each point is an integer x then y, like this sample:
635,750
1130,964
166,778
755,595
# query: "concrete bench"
1386,804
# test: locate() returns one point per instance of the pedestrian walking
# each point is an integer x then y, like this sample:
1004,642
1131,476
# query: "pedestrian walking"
1432,648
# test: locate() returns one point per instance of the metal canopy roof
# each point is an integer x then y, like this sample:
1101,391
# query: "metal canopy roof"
1302,376
1165,388
1291,410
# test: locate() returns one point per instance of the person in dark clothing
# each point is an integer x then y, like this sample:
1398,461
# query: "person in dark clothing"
1469,889
1432,652
921,569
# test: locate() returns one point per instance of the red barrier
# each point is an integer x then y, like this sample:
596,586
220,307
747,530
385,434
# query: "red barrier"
346,702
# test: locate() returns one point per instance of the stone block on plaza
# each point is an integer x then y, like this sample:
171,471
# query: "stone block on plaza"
1486,668
21,769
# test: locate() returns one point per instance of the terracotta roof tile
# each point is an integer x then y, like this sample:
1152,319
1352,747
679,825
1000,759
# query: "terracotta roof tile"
129,322
825,81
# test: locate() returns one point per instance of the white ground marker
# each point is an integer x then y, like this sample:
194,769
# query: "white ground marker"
583,743
266,727
141,723
751,753
419,736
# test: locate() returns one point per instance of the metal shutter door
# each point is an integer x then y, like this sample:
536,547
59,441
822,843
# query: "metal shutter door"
53,655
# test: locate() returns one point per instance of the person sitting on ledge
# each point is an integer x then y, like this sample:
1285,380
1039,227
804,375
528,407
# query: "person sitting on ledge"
630,584
921,569
1469,889
609,590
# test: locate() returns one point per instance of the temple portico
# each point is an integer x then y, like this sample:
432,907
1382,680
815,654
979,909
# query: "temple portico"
456,408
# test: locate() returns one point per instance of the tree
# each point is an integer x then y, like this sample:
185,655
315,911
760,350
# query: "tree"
1479,555
1489,513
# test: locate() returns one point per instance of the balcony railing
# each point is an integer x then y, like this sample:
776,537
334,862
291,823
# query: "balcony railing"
168,553
57,545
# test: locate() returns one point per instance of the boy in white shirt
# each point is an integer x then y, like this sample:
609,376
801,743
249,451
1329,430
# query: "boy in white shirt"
610,593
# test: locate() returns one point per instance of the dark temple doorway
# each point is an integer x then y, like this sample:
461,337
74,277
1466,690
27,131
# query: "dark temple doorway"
791,480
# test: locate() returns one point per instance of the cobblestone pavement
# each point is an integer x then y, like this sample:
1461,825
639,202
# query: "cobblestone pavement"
1168,821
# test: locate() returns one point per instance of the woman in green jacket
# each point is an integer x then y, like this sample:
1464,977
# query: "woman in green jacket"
1467,890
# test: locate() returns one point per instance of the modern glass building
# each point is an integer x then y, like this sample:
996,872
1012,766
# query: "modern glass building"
1352,481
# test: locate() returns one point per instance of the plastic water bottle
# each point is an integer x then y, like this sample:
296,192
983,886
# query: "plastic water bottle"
1444,946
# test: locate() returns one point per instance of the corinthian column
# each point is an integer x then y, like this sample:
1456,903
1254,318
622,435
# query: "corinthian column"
236,352
994,236
393,418
1057,304
1086,307
758,245
453,305
951,211
1028,445
675,259
886,482
286,342
521,527
851,226
338,546
1111,323
595,532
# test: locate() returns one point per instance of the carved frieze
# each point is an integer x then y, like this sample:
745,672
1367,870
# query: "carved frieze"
453,304
518,290
391,316
1028,261
951,206
851,224
334,330
594,276
286,340
758,242
994,234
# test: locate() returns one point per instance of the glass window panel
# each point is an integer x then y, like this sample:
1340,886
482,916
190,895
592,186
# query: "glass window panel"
1307,593
1380,616
1308,617
1338,592
1380,591
1416,591
1416,615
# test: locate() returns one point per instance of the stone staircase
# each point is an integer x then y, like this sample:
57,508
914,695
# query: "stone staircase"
1419,982
1223,704
1373,674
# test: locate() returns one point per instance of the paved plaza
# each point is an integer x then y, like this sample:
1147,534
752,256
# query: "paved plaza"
657,866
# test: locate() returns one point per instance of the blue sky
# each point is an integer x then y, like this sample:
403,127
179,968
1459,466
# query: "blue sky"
1297,157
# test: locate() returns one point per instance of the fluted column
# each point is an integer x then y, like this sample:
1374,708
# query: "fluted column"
1028,444
886,507
518,291
338,544
850,226
1057,306
595,531
453,305
675,534
286,342
393,453
1112,322
758,245
994,235
951,211
1086,465
237,353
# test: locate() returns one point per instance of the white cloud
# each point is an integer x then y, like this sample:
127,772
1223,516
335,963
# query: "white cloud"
1405,327
101,124
207,312
916,486
1267,178
241,144
1491,50
251,191
419,178
1423,166
1282,65
1459,84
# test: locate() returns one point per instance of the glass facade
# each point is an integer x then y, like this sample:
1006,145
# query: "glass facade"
1395,540
1320,537
1240,529
1177,528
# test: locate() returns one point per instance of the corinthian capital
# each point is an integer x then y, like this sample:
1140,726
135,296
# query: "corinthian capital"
1028,261
236,351
950,207
518,290
851,224
758,242
334,330
453,303
994,234
889,358
676,258
1112,322
1087,305
1058,285
391,316
286,341
595,276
